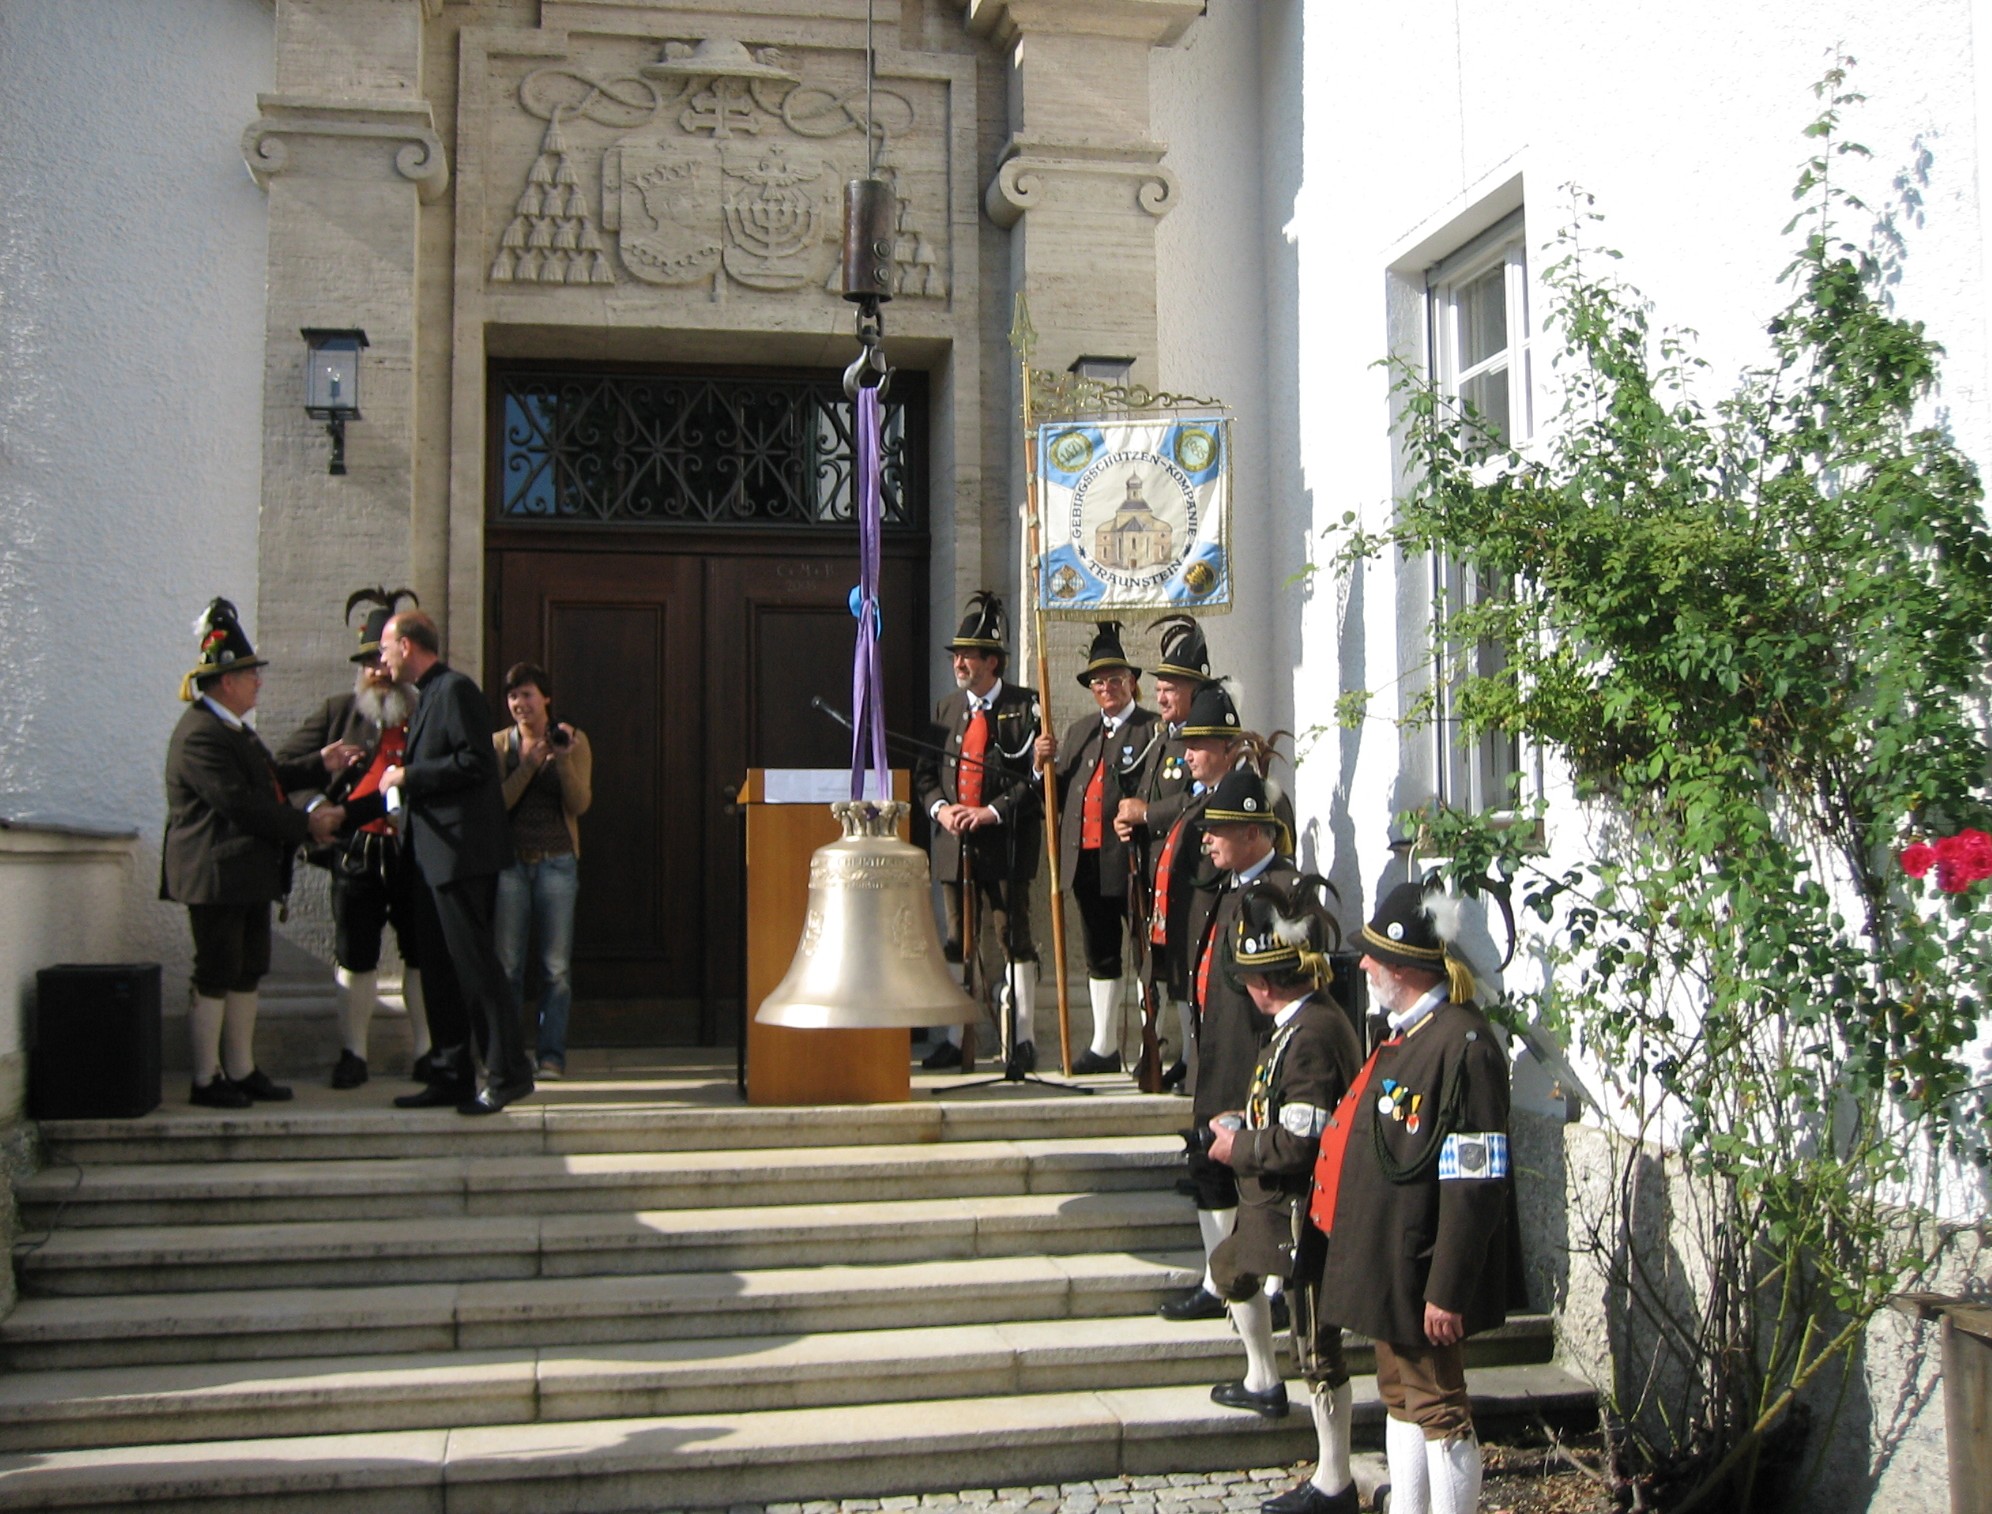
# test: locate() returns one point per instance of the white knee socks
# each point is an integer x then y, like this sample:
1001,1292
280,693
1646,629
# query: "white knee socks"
1410,1484
1332,1407
204,1017
418,1009
1106,993
356,1008
1215,1224
1453,1465
1023,983
1253,1319
238,1035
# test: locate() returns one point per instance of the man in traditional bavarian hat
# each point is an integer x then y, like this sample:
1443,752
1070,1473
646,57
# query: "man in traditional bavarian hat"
373,880
1277,952
1105,756
230,838
1411,1190
1145,820
980,790
1244,843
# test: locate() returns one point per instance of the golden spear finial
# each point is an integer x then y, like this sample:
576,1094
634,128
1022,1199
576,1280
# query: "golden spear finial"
1023,335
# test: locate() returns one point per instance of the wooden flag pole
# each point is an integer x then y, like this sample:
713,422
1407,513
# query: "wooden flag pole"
1023,337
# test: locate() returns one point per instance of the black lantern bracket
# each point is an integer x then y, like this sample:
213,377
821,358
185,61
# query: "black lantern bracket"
332,383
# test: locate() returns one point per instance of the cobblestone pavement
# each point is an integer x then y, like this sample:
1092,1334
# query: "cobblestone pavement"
1177,1493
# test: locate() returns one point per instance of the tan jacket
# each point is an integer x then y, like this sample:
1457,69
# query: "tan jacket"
576,771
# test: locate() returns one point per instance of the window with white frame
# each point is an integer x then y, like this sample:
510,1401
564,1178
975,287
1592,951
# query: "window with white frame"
1477,321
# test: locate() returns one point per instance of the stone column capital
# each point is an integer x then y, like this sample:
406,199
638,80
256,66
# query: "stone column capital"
307,122
1157,23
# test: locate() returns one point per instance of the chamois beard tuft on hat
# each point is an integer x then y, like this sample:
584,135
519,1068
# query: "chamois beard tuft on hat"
1291,929
218,615
1274,793
1446,913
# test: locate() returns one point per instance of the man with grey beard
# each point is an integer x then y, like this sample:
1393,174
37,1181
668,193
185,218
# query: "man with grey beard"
373,878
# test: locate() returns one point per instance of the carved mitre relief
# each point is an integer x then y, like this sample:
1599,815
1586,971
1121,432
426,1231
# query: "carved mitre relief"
720,167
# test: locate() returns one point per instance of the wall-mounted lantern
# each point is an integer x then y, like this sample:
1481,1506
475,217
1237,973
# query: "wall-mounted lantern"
332,383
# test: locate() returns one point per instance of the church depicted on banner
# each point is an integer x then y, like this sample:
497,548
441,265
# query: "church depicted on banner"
593,248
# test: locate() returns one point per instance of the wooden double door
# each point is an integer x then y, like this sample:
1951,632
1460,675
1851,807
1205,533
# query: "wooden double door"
687,660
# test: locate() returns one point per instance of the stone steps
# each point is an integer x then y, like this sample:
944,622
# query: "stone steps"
530,1244
45,1333
256,1191
628,1295
131,1405
718,1459
601,1115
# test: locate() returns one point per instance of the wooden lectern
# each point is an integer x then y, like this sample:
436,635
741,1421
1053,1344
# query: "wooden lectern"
785,1065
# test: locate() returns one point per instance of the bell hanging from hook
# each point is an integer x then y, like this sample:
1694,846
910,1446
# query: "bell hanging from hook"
869,957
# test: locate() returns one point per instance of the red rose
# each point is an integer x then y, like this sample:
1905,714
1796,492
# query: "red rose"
1975,854
1918,859
1956,864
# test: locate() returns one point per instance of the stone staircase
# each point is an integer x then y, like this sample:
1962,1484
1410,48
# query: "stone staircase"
631,1294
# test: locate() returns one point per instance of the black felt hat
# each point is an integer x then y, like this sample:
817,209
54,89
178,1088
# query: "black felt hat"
1212,714
224,647
1417,925
1241,797
1106,653
385,601
983,626
1284,928
1184,654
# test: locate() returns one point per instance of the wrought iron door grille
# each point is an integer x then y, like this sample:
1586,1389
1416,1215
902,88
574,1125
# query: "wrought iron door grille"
689,449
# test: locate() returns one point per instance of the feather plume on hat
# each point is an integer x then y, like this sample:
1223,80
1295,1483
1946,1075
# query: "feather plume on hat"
1448,913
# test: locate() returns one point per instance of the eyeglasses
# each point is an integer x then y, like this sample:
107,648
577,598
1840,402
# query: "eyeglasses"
1107,680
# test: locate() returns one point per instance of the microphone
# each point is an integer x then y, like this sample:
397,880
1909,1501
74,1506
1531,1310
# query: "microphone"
818,702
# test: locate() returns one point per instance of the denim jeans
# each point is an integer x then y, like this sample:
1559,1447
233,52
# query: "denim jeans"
536,902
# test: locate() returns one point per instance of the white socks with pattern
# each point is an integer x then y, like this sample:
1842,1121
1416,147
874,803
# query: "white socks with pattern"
1253,1320
1453,1465
1404,1449
1332,1408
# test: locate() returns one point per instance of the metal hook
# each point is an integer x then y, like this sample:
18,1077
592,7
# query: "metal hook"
871,354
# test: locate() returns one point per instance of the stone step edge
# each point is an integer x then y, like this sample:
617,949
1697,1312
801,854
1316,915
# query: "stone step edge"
516,1173
542,1379
874,1450
301,1311
556,1127
318,1241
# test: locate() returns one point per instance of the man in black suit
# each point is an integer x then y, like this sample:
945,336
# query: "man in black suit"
230,838
1102,761
449,789
978,785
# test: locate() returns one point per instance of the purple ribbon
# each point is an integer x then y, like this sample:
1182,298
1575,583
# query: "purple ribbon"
867,666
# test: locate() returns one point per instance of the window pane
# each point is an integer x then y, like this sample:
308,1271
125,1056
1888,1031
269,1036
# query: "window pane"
1483,316
1487,395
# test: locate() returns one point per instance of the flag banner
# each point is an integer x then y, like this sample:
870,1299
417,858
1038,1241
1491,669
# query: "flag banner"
1136,514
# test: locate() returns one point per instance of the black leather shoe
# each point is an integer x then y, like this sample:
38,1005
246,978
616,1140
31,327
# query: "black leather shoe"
258,1086
1177,1075
1198,1303
942,1057
496,1097
1308,1499
435,1096
1088,1062
1023,1061
425,1068
219,1094
351,1071
1272,1403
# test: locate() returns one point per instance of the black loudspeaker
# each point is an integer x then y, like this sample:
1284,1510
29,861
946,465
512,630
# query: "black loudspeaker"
96,1051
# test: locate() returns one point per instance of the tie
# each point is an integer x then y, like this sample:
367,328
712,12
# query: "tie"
974,748
1092,825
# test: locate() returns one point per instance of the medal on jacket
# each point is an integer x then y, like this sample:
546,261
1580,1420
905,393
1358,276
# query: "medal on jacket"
1400,1104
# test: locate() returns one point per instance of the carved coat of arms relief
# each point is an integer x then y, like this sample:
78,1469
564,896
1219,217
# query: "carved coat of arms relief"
720,181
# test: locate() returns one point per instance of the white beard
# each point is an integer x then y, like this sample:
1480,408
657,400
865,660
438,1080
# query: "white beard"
386,710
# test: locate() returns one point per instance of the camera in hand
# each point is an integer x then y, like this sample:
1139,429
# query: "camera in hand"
559,737
1198,1139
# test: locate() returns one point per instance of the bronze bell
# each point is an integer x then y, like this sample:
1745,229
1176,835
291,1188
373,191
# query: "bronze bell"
869,957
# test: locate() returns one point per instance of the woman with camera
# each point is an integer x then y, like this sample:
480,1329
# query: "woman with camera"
547,769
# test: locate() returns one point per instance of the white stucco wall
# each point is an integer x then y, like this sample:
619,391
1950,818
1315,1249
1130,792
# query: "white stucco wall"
132,253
